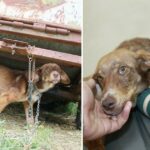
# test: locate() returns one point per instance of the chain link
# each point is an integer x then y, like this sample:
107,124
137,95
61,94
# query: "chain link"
38,110
31,75
13,49
30,86
33,70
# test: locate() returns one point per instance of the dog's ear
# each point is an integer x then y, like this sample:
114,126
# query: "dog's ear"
98,79
64,78
143,57
96,76
99,85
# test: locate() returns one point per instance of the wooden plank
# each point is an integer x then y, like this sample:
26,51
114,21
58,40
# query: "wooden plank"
58,57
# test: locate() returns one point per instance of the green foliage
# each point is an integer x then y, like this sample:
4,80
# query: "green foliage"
24,140
71,108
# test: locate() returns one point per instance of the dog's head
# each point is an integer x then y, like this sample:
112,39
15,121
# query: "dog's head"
51,74
121,75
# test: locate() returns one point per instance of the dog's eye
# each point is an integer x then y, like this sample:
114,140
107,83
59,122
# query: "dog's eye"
122,70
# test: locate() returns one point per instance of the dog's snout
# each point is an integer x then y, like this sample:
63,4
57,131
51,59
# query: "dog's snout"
55,75
109,103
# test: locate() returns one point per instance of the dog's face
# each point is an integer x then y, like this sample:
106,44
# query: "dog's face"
50,74
121,75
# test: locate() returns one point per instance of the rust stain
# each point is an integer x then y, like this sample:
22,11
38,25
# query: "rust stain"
21,49
63,12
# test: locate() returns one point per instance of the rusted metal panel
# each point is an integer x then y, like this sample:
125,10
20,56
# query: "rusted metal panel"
2,17
22,48
60,35
51,20
55,22
62,12
33,25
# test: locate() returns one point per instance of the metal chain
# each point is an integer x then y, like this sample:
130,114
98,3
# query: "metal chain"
39,95
32,131
29,67
33,70
12,49
31,75
30,86
38,110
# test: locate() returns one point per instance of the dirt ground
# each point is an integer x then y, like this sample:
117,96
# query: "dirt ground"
52,134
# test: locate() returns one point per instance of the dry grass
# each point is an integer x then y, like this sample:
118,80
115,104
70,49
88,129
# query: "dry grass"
15,135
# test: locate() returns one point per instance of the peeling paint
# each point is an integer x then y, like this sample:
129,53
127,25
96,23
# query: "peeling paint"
63,12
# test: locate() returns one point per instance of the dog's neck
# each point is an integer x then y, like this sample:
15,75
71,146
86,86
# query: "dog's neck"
43,86
40,86
142,86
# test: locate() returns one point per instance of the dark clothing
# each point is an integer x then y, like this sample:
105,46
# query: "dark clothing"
135,134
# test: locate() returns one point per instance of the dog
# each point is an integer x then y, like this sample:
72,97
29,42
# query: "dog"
122,74
14,85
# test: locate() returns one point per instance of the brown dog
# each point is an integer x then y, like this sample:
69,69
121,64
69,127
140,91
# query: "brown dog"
14,85
122,74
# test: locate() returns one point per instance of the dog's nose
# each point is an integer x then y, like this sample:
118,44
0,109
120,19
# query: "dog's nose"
55,75
109,103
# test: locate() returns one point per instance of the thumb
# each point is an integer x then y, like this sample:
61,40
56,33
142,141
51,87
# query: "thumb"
123,117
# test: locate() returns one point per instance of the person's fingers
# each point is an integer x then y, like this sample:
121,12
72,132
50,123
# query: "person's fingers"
122,118
126,111
88,99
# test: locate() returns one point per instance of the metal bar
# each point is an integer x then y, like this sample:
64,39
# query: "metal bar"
68,59
58,57
72,38
16,42
47,23
36,26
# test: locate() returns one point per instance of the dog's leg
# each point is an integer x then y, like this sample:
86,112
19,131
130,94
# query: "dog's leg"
3,103
29,119
2,107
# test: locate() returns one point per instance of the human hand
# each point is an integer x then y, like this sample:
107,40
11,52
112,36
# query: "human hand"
95,122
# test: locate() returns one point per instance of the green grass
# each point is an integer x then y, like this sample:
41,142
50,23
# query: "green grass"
71,109
14,135
25,140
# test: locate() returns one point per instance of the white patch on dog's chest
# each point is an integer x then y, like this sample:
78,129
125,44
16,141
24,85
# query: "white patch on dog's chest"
36,96
37,93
